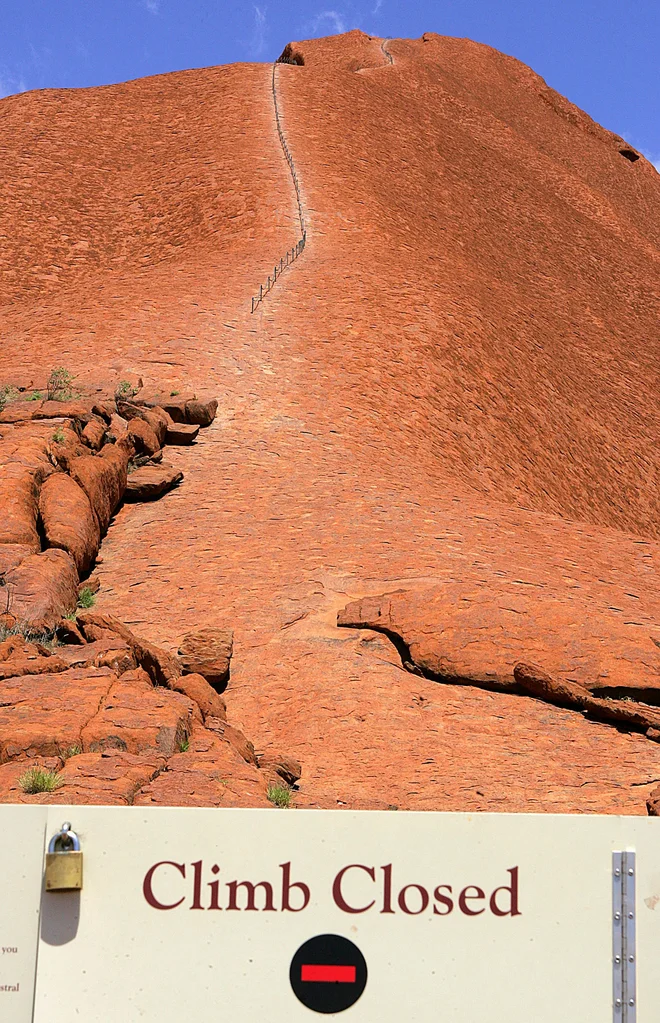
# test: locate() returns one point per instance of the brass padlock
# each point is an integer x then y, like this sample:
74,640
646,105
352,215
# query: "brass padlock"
64,862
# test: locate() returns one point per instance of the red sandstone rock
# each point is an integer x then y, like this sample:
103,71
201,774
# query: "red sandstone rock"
19,493
449,631
136,717
10,774
151,482
201,411
40,715
653,803
68,520
197,689
181,433
209,773
113,653
39,664
11,555
161,667
184,407
156,418
68,632
106,778
94,434
234,736
486,420
103,478
44,588
280,769
143,436
207,652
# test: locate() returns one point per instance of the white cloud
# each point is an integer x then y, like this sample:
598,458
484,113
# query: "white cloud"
10,84
332,16
153,6
258,42
379,4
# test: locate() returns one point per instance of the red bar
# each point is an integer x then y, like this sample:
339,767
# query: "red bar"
328,974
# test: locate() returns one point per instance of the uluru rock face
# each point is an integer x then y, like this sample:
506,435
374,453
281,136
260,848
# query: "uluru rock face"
450,397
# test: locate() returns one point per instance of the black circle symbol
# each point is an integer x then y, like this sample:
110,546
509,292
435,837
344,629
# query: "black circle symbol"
328,973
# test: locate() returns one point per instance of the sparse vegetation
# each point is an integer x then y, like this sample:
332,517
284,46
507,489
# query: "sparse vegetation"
23,629
72,751
124,391
86,597
184,745
58,436
35,396
7,394
279,796
39,779
173,394
59,385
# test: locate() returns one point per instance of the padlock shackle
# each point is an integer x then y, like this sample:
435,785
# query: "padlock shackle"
69,837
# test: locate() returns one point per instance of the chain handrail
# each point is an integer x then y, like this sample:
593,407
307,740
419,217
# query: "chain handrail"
292,253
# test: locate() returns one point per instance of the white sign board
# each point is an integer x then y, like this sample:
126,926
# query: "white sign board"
21,858
279,915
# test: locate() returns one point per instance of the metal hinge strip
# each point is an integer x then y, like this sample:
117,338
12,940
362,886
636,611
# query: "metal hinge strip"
624,949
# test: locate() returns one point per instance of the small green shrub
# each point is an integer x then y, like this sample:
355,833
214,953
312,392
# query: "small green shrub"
125,390
184,745
72,751
35,396
58,437
279,796
39,779
173,394
59,385
86,597
7,394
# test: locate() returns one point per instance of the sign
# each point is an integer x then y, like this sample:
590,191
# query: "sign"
23,830
282,914
328,973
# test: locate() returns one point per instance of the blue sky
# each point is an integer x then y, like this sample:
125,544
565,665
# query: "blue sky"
603,54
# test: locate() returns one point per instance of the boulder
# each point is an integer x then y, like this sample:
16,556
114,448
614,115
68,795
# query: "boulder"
105,779
207,652
112,653
68,632
197,689
209,773
44,589
540,683
234,737
185,407
41,715
464,632
143,437
94,434
155,417
31,664
103,478
151,482
19,497
280,769
82,411
11,555
201,411
161,667
68,520
136,716
181,433
653,803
